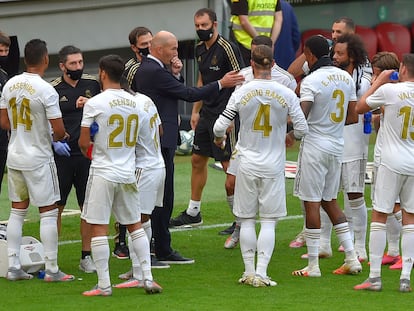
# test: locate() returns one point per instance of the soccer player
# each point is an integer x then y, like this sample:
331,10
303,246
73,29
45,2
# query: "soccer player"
328,99
150,174
29,108
349,54
380,62
112,184
395,175
74,89
264,107
283,77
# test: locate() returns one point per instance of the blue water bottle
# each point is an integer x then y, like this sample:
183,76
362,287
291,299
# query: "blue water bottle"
394,76
367,122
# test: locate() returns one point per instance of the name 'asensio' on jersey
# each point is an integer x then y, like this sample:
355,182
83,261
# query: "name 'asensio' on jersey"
122,102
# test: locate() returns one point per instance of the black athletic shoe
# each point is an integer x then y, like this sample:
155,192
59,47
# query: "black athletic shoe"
186,221
121,251
175,259
228,230
156,264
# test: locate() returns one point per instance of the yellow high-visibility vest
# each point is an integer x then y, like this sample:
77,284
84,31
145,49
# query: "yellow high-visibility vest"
261,16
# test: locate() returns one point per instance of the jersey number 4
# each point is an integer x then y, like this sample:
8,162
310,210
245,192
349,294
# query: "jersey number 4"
262,120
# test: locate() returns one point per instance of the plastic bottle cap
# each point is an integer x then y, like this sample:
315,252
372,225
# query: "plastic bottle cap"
394,76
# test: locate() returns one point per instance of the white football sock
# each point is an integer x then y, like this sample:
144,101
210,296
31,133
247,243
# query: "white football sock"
348,214
407,251
265,245
248,244
14,236
377,240
147,228
142,250
393,235
344,236
359,218
326,231
49,238
100,253
193,208
312,237
136,266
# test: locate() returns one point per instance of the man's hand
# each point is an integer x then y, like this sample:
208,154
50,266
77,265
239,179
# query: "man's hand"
220,141
231,79
61,148
176,66
81,101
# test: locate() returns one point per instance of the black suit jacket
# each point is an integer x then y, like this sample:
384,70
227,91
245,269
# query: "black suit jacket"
165,90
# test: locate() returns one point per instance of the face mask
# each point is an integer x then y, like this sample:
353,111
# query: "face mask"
205,34
3,61
75,75
144,51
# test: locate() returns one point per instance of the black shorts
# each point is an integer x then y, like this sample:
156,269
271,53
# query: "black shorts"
204,141
73,170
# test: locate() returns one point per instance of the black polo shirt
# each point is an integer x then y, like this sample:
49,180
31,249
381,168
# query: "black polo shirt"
4,139
87,86
213,63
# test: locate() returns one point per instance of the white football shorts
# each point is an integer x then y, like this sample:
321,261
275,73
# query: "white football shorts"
103,197
150,184
40,186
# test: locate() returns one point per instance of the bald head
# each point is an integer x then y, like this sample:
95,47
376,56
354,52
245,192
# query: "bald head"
164,46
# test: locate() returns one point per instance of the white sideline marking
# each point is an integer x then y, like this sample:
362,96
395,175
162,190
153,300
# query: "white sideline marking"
188,229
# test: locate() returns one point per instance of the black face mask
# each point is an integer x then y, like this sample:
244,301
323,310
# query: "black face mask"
75,75
3,61
144,51
205,34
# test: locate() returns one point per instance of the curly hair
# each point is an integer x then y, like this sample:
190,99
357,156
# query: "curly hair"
355,47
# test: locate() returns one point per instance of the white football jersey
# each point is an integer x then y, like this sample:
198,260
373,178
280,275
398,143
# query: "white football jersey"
30,102
355,140
118,114
148,149
330,89
278,74
263,107
397,130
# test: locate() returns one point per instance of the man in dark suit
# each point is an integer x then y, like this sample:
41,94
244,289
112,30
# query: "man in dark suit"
165,89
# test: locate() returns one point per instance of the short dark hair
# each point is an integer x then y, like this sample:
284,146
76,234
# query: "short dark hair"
262,55
113,65
349,22
136,33
68,50
211,14
318,45
408,61
355,47
34,52
261,39
4,39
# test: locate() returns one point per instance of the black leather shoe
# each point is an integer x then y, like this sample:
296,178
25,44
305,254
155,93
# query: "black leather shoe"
175,259
228,230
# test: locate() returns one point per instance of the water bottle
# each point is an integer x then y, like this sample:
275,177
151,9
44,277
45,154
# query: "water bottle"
94,129
367,122
394,76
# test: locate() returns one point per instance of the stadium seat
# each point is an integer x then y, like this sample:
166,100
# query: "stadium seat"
393,37
369,37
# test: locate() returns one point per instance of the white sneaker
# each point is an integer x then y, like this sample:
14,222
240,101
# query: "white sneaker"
231,242
361,254
87,265
126,276
260,281
352,266
246,279
315,272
